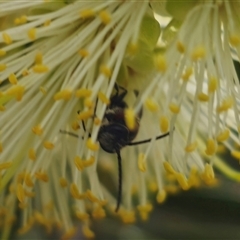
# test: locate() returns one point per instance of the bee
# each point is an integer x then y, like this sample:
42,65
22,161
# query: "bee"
114,133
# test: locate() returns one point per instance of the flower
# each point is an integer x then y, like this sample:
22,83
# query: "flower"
60,62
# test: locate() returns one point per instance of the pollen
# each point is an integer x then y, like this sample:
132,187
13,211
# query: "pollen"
32,33
106,71
12,78
182,180
234,39
38,58
144,211
212,84
187,74
151,105
28,180
225,105
203,97
40,68
63,182
83,93
42,176
180,47
198,53
25,72
75,193
20,192
99,213
191,147
37,130
236,154
47,23
82,216
169,169
105,17
87,232
88,102
211,147
132,48
2,52
160,63
91,145
97,121
89,162
48,145
161,196
193,180
21,20
85,114
174,108
2,67
32,154
79,163
103,98
208,175
127,216
164,124
87,13
223,136
69,234
75,125
63,95
130,118
6,38
83,53
16,91
142,162
5,165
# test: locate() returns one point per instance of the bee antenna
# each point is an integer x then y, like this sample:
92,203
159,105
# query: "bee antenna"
119,197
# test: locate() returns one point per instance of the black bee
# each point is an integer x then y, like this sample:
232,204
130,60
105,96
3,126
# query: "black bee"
114,134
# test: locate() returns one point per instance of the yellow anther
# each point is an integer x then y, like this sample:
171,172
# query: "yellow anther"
41,176
39,58
37,130
174,108
83,53
75,193
164,124
132,48
5,165
152,186
20,192
88,102
223,136
198,53
2,67
39,217
28,180
48,145
63,182
144,211
225,105
191,147
208,175
187,74
182,180
79,163
87,232
32,33
91,145
180,47
127,216
21,177
39,68
82,216
203,97
69,234
63,95
161,196
12,78
25,72
142,162
161,63
91,196
212,84
47,23
85,115
193,180
21,20
32,154
2,108
17,21
16,91
75,125
6,38
2,52
211,147
105,17
151,105
97,121
1,147
87,13
83,93
99,213
103,98
130,119
236,154
106,71
29,194
89,162
169,169
234,39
